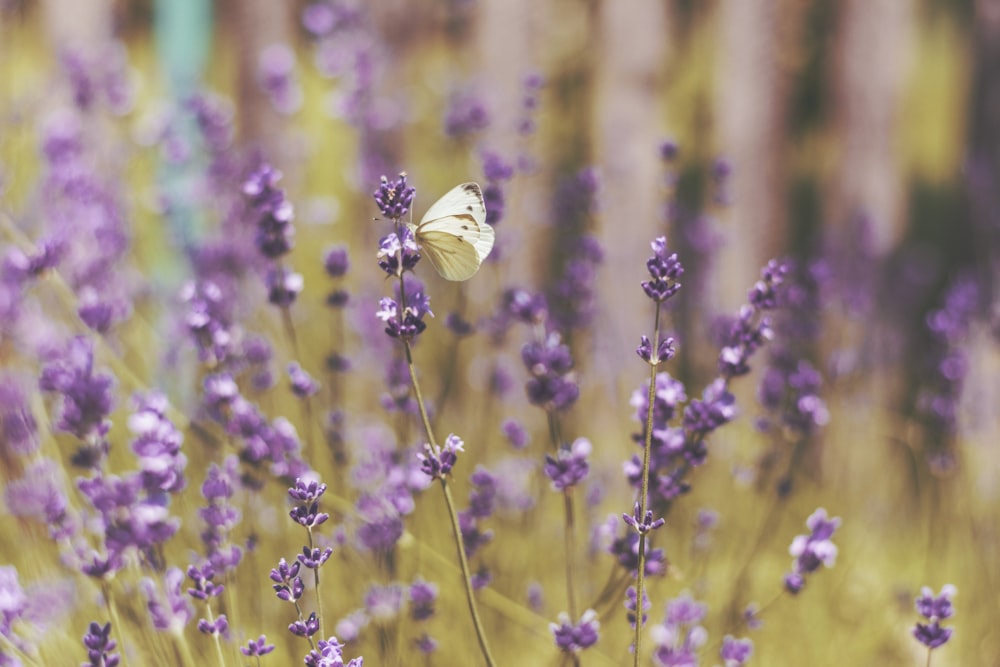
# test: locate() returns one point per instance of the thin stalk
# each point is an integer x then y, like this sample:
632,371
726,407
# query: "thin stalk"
215,635
644,493
115,620
456,529
319,598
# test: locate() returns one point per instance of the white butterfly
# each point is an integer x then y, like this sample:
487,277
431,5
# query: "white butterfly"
453,233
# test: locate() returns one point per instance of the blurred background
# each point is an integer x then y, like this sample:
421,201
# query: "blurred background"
860,138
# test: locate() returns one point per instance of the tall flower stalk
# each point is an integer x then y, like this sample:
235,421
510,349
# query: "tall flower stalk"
404,320
664,271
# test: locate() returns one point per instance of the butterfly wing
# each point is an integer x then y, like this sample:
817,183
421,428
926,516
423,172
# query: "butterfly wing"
454,233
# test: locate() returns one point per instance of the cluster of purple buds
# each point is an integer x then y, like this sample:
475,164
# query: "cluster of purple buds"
276,75
681,635
409,323
87,397
398,252
751,329
436,462
664,272
525,307
303,385
735,652
329,653
157,445
336,263
811,551
394,199
497,171
531,87
631,606
271,211
570,465
257,647
570,637
642,523
552,385
100,646
306,494
288,584
935,609
466,115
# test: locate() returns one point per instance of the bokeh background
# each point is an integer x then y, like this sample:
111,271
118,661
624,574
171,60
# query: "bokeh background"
859,138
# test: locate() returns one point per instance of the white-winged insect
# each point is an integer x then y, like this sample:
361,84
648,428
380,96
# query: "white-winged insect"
453,233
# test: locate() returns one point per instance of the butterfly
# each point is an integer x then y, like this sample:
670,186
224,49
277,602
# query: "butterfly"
453,233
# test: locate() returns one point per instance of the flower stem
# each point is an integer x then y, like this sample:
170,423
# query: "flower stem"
319,598
644,493
115,620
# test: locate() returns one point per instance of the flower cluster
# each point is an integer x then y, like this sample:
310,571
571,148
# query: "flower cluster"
572,638
664,272
811,551
570,465
552,385
935,609
681,635
272,214
437,461
100,646
751,329
394,198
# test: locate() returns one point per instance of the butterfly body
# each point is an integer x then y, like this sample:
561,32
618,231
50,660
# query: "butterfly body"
453,233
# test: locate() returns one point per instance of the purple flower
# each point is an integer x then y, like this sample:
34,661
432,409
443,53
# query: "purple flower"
525,307
303,384
394,199
283,286
573,638
315,557
570,466
157,445
306,628
664,350
171,610
664,272
631,611
88,398
935,609
288,584
422,595
276,75
515,433
735,652
271,212
552,385
257,647
204,587
811,551
336,261
383,603
437,461
220,626
100,646
398,252
329,653
681,634
642,523
466,115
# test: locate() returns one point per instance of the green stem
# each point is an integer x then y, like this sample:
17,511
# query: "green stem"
319,598
456,529
215,635
115,620
644,494
464,563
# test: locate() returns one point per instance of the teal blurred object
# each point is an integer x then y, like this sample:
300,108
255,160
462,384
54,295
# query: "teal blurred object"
183,31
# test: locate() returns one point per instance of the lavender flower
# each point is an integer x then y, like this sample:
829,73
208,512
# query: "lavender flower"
257,647
303,384
271,212
811,551
276,75
570,466
336,262
735,652
466,115
437,461
288,584
100,646
423,596
572,638
681,634
283,286
664,272
329,653
935,609
398,252
394,199
87,398
552,385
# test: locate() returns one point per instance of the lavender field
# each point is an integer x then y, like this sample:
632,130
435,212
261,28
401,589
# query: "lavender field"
499,332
